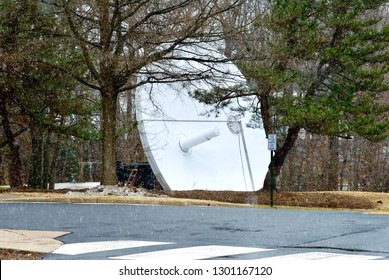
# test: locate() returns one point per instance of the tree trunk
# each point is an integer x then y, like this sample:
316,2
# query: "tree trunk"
80,176
90,163
109,106
109,96
45,161
54,163
280,156
333,163
15,165
36,179
3,176
63,163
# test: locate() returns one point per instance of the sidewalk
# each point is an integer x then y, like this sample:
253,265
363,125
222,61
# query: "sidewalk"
30,240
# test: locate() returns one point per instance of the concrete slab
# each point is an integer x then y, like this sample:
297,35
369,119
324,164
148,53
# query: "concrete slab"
31,240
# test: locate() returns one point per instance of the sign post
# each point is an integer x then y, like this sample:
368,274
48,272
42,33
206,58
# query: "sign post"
272,146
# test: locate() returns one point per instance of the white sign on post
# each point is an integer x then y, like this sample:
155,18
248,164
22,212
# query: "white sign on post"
272,142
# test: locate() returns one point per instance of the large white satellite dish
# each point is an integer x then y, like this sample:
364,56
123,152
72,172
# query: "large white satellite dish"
187,147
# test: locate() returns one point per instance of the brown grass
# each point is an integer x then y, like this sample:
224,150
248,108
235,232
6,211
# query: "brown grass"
330,200
333,200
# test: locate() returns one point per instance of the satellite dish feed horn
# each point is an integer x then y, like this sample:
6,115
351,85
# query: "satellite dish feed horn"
187,143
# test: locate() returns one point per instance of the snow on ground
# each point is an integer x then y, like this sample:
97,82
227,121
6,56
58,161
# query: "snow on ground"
95,189
76,186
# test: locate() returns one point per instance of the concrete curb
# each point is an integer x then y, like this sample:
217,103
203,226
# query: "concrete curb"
61,198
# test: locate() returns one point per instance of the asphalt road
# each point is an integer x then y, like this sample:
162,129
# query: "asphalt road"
103,231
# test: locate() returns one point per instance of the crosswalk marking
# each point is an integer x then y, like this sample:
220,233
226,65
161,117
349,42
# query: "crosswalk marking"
193,253
321,256
91,247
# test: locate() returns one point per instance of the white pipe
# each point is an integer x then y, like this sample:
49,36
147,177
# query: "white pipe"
187,143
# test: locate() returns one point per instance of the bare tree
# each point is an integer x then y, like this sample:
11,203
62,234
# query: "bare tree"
117,38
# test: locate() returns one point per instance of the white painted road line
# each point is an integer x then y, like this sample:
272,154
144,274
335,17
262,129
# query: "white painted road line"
322,256
193,253
92,247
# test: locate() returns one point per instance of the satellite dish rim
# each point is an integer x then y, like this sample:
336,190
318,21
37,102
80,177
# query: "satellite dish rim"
146,145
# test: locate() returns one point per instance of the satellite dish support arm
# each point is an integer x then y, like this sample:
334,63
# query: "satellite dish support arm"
187,143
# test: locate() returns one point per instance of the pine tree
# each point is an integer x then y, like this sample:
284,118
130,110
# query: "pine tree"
318,66
36,94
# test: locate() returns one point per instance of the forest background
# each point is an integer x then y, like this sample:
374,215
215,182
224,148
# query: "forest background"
317,70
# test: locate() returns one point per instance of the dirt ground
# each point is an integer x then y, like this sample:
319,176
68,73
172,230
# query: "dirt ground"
9,254
371,202
337,200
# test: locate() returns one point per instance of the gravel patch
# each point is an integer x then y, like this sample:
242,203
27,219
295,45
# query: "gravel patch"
115,191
